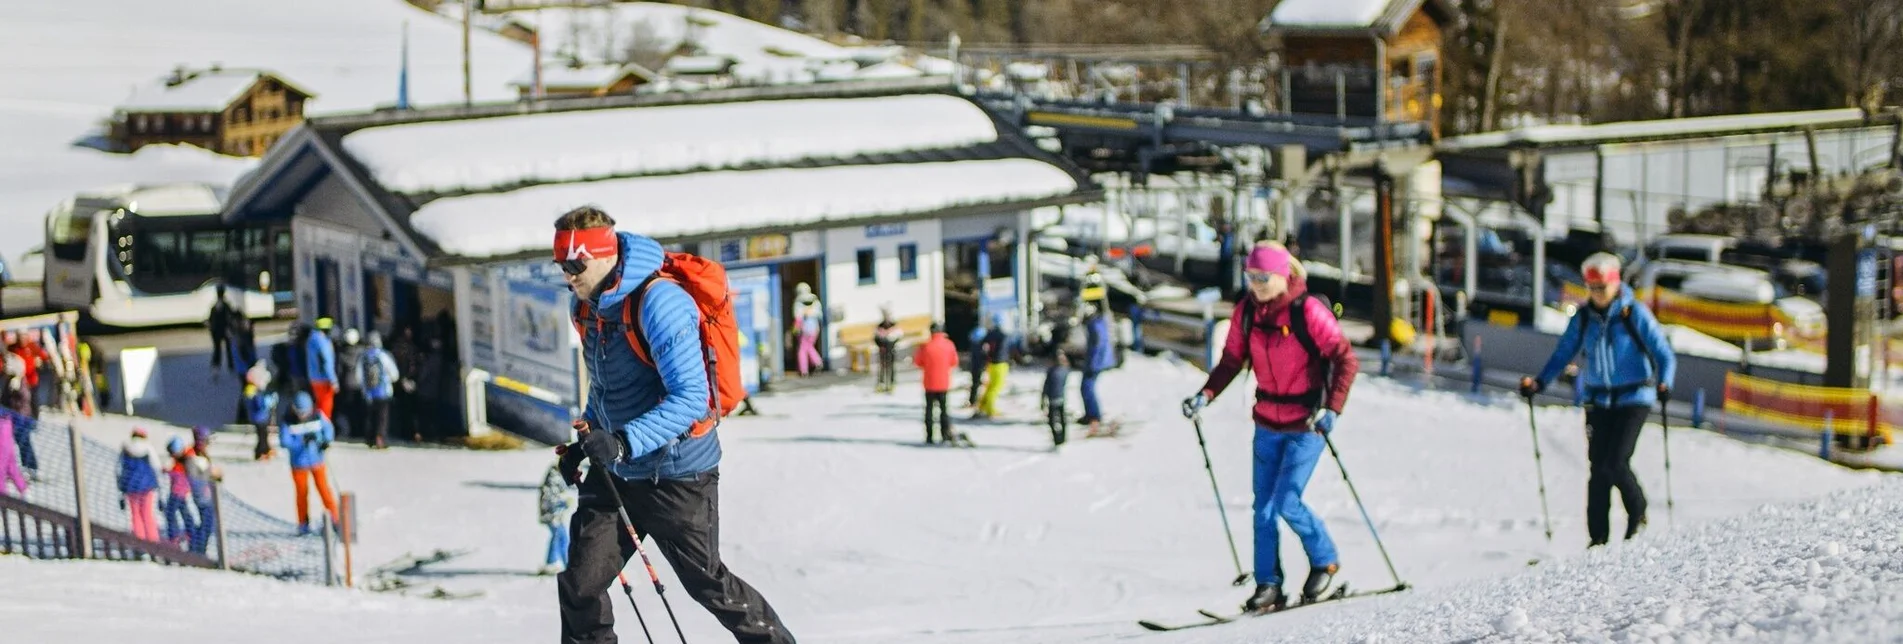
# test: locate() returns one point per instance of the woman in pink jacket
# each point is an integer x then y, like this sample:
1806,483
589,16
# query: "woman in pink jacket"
1303,369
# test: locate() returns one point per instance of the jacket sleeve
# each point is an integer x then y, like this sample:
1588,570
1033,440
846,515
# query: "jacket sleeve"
1326,331
329,432
672,325
1234,351
1567,350
284,434
1653,335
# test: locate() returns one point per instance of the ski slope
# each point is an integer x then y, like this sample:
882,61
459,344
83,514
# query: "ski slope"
859,534
71,61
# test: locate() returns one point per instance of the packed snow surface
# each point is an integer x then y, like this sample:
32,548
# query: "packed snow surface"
1328,13
481,154
859,533
493,224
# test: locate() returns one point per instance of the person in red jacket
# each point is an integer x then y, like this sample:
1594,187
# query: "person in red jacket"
1303,369
936,361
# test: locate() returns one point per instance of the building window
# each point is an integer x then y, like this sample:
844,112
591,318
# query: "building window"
138,123
204,123
868,265
908,261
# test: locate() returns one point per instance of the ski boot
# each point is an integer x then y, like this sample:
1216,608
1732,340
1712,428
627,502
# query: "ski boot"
1634,526
1319,579
1267,599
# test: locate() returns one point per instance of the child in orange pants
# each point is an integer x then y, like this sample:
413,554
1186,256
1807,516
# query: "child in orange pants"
306,440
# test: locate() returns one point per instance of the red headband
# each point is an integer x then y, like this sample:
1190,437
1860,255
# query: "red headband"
1602,275
587,243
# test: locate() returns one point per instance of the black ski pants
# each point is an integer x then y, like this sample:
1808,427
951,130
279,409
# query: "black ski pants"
888,367
935,402
1613,433
377,415
1058,420
683,518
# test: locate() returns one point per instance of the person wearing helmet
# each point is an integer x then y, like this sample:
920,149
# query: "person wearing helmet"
180,525
305,436
1628,365
349,410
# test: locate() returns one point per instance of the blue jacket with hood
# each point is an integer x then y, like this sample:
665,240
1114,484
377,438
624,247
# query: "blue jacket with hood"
650,408
1099,355
1619,370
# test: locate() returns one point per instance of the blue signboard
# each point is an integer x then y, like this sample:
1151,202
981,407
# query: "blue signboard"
885,230
527,416
1866,274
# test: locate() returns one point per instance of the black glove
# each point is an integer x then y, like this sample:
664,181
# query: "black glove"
309,437
1194,405
570,462
122,502
323,446
1665,393
1529,387
602,446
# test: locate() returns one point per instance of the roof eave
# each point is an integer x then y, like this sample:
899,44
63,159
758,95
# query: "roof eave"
1089,194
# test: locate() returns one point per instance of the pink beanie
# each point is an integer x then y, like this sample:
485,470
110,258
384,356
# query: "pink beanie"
1268,259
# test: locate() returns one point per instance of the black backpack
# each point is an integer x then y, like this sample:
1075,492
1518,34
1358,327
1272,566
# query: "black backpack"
1298,327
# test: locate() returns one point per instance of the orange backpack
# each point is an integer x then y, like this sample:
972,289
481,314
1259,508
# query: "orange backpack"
705,281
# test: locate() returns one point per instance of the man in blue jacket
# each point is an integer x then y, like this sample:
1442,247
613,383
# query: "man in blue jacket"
638,419
1629,366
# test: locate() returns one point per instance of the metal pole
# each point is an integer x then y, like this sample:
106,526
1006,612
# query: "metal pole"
1341,97
469,95
80,511
330,570
218,514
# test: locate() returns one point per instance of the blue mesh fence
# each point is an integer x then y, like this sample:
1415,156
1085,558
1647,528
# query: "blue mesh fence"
255,542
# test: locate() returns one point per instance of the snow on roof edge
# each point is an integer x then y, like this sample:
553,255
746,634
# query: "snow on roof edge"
1548,134
492,225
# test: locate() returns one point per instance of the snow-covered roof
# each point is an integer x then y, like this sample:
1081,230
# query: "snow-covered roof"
204,91
1334,13
589,76
888,70
1329,16
712,203
697,64
1661,128
481,154
161,200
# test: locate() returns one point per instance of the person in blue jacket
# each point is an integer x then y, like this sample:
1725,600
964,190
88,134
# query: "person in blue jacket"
139,482
305,436
1629,366
1099,356
638,423
320,364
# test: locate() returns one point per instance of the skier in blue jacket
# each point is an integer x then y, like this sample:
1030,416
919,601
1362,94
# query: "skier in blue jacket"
1629,366
638,419
1099,356
306,436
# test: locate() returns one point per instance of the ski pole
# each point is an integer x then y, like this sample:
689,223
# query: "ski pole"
1398,584
1665,430
628,589
1234,556
1539,469
628,526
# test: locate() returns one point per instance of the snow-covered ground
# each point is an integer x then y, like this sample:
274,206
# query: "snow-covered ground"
73,60
860,534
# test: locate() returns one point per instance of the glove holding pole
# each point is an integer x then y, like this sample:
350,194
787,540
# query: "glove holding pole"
1665,430
1528,388
604,448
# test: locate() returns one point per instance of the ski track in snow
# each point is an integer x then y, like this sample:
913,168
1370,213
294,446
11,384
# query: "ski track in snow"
858,533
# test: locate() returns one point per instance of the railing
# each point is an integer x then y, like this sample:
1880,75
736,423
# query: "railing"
33,531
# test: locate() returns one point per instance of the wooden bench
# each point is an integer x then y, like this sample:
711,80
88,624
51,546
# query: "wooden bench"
860,348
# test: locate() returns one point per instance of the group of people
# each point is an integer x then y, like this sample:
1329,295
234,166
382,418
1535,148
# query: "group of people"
187,507
1304,368
31,376
655,459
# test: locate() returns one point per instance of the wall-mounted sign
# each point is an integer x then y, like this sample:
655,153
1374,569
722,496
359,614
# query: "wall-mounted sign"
885,230
764,247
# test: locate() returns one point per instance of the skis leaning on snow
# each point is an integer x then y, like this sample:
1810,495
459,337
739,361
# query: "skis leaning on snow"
1212,618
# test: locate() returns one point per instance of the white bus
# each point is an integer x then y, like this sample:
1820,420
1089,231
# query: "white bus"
153,255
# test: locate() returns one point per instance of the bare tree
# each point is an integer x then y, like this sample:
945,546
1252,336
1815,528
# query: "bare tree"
1870,31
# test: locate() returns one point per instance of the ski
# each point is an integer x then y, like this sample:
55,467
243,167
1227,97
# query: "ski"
1212,618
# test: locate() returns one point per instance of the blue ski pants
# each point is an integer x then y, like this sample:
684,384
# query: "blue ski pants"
1283,463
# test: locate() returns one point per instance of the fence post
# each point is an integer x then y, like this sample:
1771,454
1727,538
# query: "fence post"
85,532
1698,408
347,514
1823,448
1136,327
1387,356
218,514
330,569
1870,432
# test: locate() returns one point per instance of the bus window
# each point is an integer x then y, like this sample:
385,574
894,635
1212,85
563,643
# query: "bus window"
69,233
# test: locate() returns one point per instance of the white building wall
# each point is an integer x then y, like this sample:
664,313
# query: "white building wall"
852,303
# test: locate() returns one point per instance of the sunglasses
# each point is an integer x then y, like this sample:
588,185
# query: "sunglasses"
1258,278
572,266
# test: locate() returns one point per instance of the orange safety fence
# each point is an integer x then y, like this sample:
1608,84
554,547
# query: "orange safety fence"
1851,412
